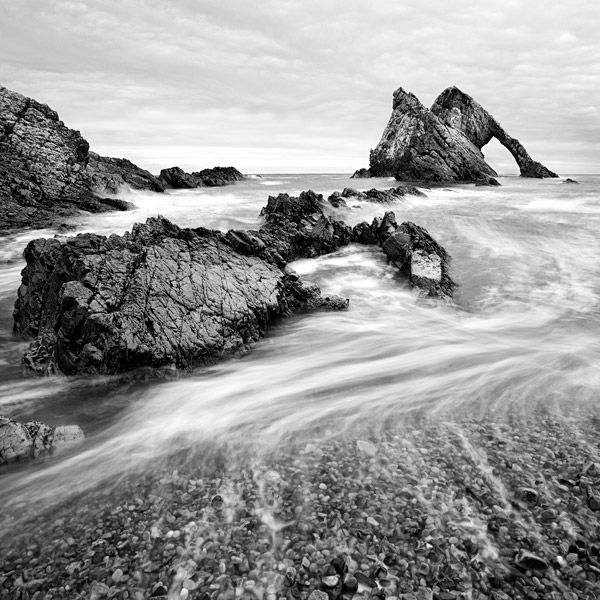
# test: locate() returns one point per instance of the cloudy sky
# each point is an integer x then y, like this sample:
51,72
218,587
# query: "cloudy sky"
303,85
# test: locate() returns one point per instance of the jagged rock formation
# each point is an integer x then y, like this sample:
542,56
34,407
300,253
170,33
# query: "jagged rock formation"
22,441
443,144
337,199
361,174
160,296
177,178
47,172
110,175
166,296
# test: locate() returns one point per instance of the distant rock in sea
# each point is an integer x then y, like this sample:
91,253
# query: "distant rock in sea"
47,172
22,441
177,178
163,296
443,144
361,174
569,180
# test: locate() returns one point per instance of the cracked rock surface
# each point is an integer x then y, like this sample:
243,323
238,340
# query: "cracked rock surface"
22,441
47,172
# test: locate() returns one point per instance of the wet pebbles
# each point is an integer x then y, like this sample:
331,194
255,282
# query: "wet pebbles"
431,510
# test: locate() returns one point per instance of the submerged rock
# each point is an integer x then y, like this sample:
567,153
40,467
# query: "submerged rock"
47,172
443,144
22,441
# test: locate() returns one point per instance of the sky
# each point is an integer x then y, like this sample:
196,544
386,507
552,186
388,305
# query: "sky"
303,85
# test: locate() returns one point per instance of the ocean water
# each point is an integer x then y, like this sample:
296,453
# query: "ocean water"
523,332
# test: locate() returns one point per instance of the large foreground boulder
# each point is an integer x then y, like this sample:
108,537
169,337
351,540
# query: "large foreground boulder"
443,144
22,441
160,296
47,172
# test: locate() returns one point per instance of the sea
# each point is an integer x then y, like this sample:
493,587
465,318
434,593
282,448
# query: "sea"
522,334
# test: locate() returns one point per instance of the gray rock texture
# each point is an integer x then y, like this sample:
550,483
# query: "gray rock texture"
373,195
177,178
162,296
47,172
443,144
22,441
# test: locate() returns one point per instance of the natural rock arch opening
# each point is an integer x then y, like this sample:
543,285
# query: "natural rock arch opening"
499,158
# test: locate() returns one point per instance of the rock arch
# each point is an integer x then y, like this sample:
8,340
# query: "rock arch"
443,144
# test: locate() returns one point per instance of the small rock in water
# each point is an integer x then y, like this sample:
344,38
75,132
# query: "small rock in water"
528,560
593,500
528,495
318,595
367,447
364,580
350,586
117,575
339,565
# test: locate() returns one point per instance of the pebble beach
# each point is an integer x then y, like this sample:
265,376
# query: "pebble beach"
477,507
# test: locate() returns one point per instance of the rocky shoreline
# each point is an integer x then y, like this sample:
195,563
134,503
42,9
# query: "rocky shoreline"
168,297
478,507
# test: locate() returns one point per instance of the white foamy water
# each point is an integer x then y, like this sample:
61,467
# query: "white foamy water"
523,332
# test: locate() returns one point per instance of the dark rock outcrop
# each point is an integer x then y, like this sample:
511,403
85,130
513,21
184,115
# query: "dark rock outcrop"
219,176
569,180
412,249
373,195
443,145
47,172
160,296
165,296
177,178
23,441
361,174
110,175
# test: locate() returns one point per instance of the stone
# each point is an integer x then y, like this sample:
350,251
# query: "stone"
361,174
160,296
42,436
219,176
569,180
525,559
165,297
67,436
412,249
33,439
177,178
528,495
373,195
443,144
15,441
47,171
363,579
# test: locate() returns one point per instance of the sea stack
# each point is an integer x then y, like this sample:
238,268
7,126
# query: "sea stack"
443,144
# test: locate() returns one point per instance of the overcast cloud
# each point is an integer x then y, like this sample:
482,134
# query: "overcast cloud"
303,85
